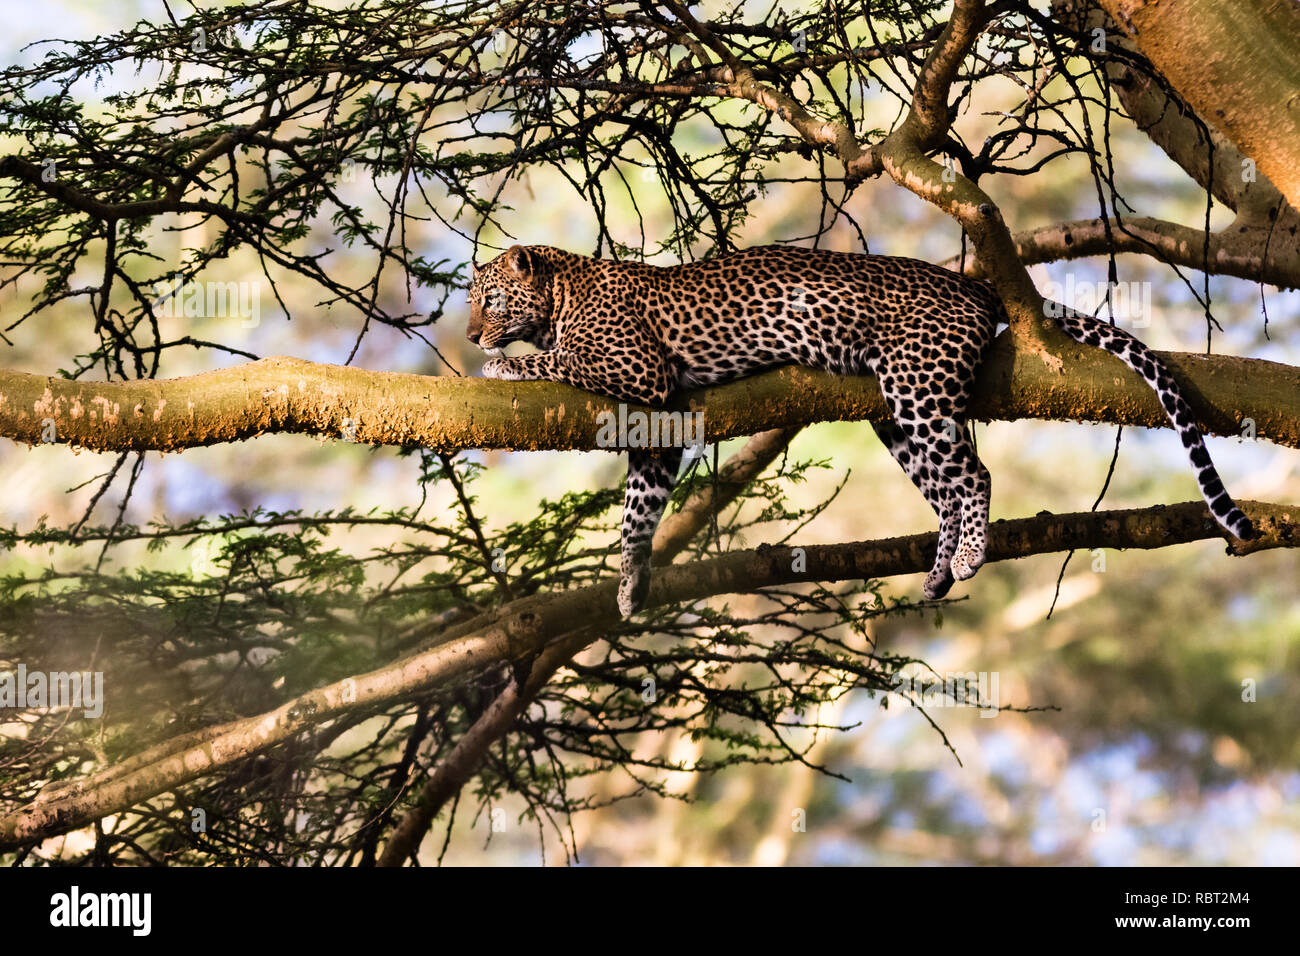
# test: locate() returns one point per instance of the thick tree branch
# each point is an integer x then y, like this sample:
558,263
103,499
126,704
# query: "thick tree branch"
1262,244
448,414
1165,117
904,157
1237,250
527,626
1237,64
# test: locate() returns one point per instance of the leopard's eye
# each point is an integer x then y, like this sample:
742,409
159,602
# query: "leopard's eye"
495,301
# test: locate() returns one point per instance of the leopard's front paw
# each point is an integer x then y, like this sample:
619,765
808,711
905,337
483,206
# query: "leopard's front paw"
632,590
502,370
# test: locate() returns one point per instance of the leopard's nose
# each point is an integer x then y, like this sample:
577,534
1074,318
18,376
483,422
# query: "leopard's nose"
473,335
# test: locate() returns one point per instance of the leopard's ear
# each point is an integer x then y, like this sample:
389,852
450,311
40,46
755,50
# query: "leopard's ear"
520,261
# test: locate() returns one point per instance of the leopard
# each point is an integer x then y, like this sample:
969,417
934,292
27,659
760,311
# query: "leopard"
639,333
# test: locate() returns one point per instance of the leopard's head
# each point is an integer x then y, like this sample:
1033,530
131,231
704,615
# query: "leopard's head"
510,301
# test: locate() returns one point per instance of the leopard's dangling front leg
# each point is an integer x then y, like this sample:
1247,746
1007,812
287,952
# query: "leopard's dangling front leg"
650,479
631,367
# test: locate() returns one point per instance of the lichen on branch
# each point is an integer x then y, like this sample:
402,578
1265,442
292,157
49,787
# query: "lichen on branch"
453,413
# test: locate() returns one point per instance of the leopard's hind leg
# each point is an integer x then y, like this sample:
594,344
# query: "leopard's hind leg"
930,410
975,484
940,579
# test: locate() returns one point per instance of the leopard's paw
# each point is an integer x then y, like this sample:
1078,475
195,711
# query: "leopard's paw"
501,369
632,591
937,583
968,559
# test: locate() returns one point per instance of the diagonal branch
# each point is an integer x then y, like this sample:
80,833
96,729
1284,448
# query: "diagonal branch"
903,154
529,625
672,535
16,167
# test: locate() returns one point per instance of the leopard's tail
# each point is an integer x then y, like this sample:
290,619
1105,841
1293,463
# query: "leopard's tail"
1090,331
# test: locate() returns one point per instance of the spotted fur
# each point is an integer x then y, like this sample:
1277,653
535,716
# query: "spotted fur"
637,333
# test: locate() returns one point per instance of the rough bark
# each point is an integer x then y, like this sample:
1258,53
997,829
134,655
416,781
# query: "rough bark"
448,414
1237,64
1262,244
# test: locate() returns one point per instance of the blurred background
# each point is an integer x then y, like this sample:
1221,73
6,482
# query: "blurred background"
1148,754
